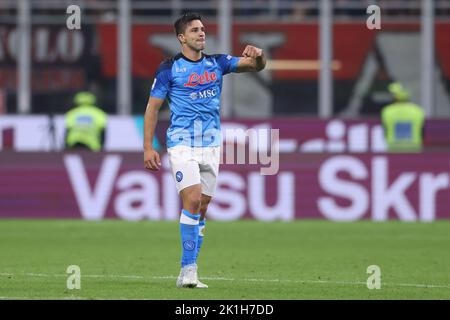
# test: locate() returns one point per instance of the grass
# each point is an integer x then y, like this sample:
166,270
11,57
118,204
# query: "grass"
240,260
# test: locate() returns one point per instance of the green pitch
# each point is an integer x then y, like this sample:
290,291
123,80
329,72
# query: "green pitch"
239,260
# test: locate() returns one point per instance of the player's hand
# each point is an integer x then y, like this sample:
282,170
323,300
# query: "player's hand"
252,52
152,160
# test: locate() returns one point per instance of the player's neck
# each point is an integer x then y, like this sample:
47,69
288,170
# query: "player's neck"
191,54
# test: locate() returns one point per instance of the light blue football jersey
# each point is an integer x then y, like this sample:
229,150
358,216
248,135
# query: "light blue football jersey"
193,90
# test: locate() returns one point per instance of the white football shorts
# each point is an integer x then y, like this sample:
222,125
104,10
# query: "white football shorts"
195,165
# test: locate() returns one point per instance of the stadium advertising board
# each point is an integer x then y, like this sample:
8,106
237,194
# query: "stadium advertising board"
65,61
297,135
340,187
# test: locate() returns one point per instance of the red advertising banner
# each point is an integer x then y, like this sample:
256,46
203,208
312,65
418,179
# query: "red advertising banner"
352,45
340,187
61,58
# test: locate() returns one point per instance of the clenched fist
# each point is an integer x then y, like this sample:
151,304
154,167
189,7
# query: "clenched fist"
252,52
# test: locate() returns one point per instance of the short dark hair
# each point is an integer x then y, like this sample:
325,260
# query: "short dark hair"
181,24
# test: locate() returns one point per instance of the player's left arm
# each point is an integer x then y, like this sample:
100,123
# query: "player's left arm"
253,59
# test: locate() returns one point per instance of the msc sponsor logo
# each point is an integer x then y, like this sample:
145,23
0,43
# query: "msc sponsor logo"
196,79
209,93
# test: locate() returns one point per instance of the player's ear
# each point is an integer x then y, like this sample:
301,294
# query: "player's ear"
181,38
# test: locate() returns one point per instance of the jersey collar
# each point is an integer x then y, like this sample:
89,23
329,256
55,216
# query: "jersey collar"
181,55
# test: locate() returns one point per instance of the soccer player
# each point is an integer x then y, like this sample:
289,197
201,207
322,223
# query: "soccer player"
192,83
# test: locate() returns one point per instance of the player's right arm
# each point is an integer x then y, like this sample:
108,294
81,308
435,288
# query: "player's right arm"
151,156
158,93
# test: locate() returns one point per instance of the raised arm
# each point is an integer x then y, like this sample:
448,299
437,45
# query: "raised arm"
151,157
252,59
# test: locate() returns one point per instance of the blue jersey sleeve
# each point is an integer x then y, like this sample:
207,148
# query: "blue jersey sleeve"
161,83
227,63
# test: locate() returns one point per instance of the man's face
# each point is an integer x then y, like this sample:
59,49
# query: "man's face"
194,36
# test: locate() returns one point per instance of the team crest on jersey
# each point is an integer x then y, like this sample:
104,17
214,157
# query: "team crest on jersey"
179,176
195,79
